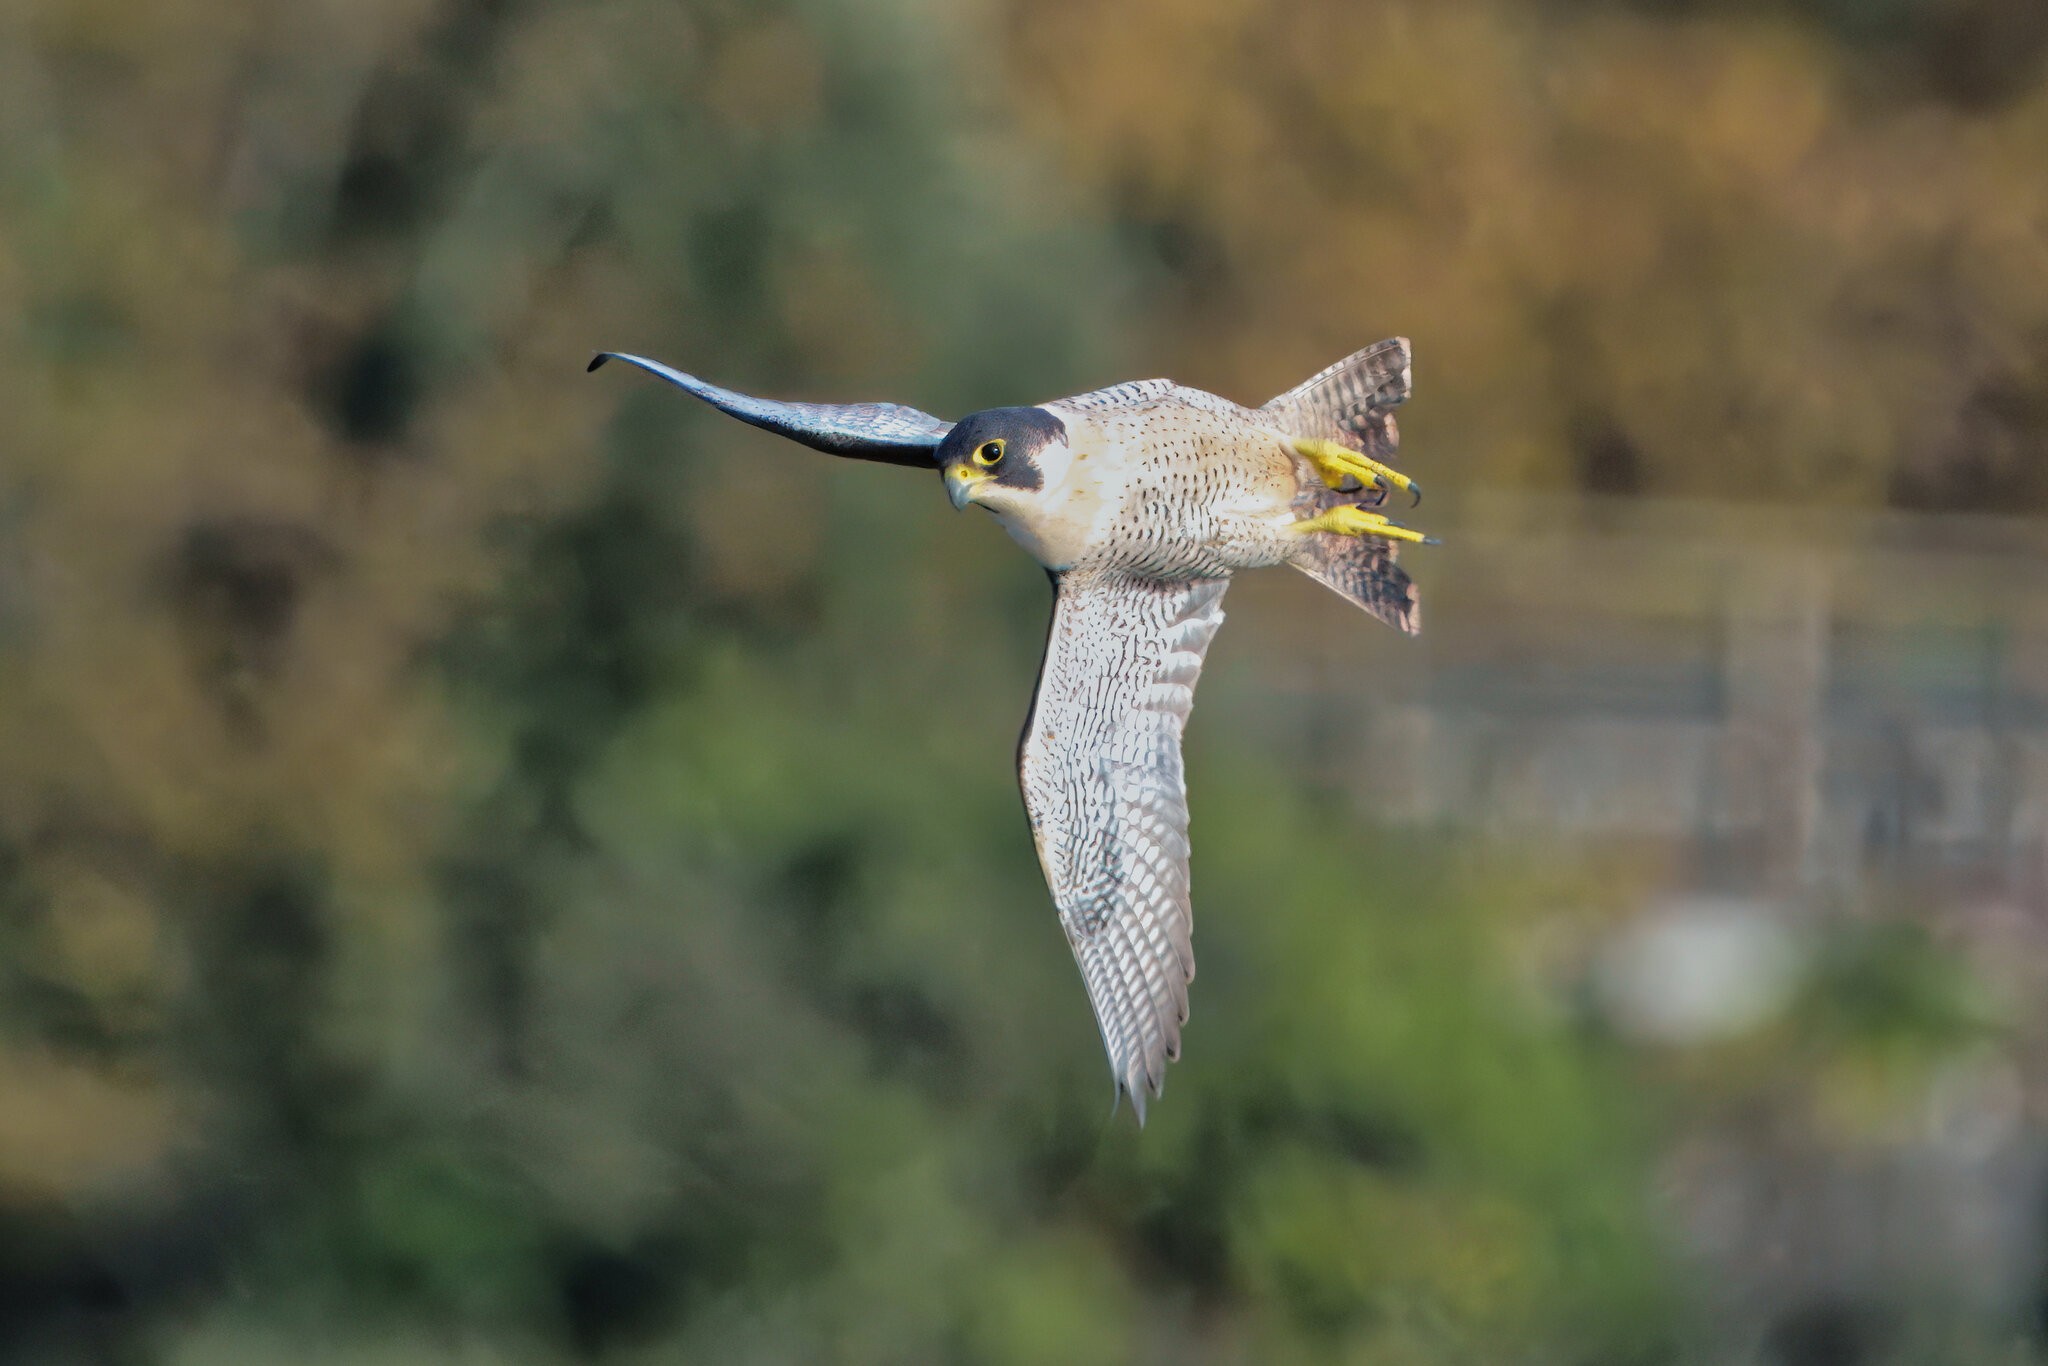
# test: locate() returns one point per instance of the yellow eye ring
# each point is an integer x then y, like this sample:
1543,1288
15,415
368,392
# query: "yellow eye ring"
989,452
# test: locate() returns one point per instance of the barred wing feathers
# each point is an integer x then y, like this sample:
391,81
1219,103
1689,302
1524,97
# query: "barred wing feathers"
1100,765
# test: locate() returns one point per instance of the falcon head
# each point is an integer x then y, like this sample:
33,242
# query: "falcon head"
1003,458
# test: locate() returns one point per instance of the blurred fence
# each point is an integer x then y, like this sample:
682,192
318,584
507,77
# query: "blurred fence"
1802,701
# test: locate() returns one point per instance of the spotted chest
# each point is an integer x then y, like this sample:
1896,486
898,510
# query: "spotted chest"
1179,483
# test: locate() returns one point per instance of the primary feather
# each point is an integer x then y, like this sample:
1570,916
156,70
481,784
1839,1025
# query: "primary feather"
888,432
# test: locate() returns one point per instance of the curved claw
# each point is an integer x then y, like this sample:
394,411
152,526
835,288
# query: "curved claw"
1336,463
1414,489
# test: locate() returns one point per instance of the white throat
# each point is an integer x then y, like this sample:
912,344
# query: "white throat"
1059,522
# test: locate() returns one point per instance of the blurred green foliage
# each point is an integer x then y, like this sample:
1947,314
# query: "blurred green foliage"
501,865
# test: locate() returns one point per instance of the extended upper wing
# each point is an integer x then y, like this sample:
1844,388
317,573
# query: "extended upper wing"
888,432
1101,770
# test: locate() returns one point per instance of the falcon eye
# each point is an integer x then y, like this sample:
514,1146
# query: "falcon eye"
989,453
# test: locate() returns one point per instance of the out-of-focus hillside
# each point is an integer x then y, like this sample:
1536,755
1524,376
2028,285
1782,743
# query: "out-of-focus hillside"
501,863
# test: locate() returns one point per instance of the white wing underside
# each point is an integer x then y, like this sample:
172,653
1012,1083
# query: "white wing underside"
1100,766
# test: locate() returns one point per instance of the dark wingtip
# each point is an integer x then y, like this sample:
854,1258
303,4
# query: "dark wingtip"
599,359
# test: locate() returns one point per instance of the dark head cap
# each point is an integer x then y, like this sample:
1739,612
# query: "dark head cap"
1002,444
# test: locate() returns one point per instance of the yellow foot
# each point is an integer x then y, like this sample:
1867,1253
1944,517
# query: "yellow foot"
1346,520
1335,463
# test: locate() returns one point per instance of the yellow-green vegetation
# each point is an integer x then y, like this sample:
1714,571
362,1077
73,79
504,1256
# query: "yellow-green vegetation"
1785,250
498,865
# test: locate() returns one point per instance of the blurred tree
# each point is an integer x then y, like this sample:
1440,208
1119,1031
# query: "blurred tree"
496,863
1710,252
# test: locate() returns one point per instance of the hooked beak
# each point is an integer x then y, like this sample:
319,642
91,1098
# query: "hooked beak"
960,481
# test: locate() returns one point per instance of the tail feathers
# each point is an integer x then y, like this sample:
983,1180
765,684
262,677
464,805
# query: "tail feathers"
1351,402
1362,569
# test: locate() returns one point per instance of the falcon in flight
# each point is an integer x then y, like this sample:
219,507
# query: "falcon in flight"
1140,501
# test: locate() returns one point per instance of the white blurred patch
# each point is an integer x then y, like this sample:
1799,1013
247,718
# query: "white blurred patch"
1698,969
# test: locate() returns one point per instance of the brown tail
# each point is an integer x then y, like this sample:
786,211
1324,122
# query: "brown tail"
1362,569
1352,403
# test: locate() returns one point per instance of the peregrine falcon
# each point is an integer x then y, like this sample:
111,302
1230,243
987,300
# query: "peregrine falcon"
1141,500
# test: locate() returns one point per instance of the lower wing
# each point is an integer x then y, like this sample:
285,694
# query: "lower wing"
1100,766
